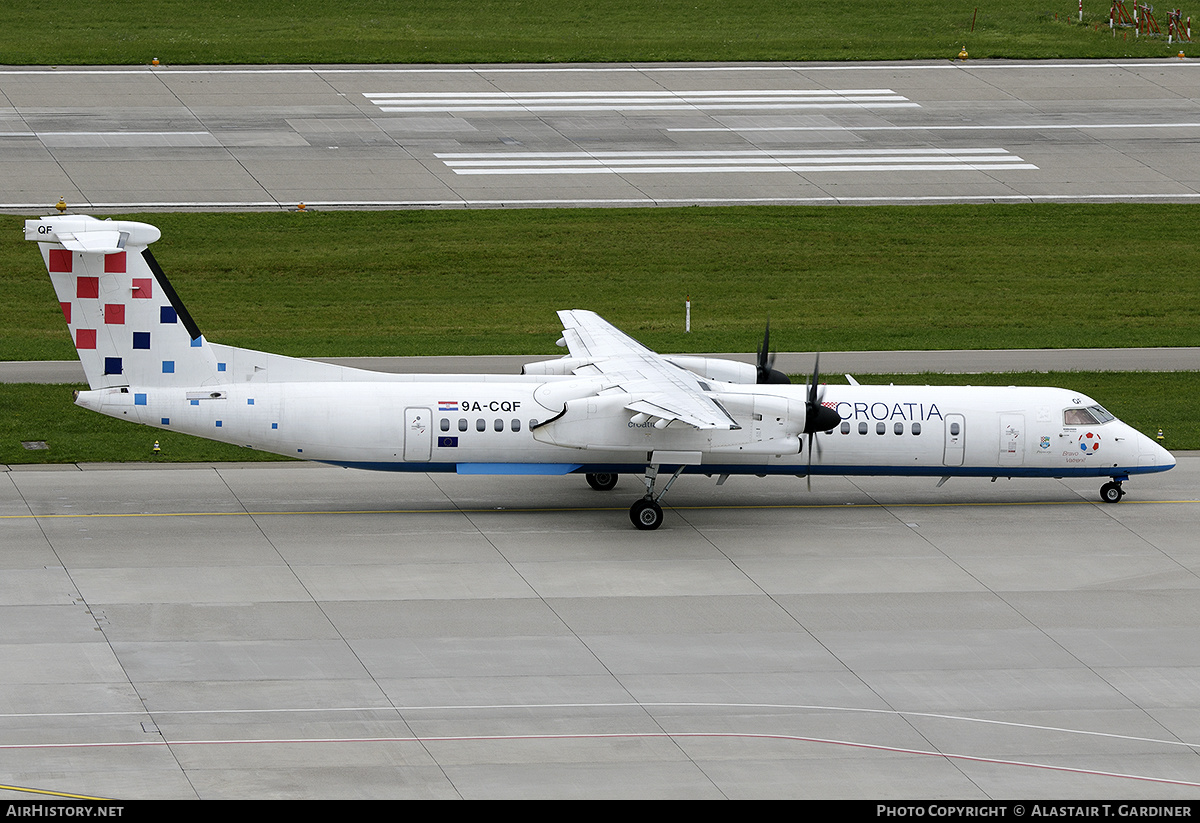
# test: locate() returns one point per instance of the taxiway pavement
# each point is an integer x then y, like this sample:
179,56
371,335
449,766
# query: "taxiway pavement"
241,631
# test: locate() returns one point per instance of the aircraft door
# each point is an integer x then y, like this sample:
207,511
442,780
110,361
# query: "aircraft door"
1012,439
956,440
418,434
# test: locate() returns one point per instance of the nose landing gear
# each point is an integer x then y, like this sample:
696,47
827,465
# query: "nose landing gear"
1112,492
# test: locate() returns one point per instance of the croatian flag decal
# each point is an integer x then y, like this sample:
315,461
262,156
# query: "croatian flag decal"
447,405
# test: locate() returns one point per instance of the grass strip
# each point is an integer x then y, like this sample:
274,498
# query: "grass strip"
490,282
104,32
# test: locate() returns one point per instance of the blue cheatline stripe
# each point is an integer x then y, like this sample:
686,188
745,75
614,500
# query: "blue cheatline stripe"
517,468
783,471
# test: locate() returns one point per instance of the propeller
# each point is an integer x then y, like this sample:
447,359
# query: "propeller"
766,361
817,418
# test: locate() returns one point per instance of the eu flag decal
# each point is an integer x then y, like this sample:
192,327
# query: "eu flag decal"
447,442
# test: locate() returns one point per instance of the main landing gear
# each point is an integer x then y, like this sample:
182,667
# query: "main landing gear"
601,482
646,514
1112,492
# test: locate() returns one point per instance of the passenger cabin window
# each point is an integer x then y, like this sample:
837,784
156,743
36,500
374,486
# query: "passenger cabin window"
445,424
462,424
899,427
481,425
516,425
916,428
845,427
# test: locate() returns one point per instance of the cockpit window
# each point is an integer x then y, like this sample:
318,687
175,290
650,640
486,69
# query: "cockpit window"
1091,416
1078,417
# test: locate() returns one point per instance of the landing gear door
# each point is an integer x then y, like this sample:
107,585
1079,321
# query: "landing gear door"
956,440
418,434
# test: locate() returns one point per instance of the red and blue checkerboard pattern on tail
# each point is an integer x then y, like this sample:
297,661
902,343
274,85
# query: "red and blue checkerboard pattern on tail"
122,320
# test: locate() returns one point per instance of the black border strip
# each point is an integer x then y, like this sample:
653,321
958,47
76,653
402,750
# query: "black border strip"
188,323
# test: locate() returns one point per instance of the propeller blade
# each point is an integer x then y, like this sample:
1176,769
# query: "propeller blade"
812,387
808,474
818,418
766,361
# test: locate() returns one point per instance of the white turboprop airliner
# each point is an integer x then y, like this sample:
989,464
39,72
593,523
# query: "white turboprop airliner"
610,407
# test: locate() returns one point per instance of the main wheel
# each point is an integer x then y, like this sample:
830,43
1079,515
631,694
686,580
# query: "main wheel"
1111,492
646,514
601,482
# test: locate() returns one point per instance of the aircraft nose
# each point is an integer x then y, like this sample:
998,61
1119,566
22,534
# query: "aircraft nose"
1167,458
1152,453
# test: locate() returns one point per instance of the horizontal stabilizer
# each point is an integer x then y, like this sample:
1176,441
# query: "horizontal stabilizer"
95,242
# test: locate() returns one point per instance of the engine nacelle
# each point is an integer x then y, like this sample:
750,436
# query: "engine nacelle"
766,425
714,368
558,366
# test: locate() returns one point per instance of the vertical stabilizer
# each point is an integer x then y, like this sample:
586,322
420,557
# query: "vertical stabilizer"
128,325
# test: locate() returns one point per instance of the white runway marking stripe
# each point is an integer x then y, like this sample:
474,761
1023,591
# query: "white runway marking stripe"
702,162
574,101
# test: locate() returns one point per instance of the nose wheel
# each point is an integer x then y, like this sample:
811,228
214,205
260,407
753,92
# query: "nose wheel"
1112,492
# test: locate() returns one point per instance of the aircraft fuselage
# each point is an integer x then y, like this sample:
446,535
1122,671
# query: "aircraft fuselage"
430,423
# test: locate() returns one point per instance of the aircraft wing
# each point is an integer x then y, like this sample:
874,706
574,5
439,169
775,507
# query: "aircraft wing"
655,387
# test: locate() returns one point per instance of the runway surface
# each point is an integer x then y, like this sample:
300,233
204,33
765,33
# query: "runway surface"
298,631
169,137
